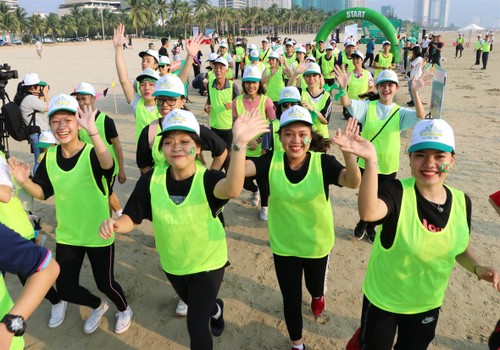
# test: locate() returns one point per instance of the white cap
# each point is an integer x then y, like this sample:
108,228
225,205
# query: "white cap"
311,58
169,85
312,68
432,134
349,43
148,73
387,75
251,73
238,42
333,42
265,40
31,79
164,60
329,47
150,52
84,89
180,119
300,49
252,47
63,102
289,42
358,53
386,42
254,55
212,56
295,114
274,55
223,44
289,94
221,60
46,139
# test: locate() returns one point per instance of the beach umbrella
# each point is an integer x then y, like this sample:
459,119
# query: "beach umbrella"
470,27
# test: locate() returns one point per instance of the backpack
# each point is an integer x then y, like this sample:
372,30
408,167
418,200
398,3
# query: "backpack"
15,125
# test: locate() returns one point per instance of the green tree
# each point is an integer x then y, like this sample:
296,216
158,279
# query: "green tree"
22,20
53,25
8,21
138,15
36,25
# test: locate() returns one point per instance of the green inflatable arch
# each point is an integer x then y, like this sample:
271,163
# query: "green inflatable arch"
369,15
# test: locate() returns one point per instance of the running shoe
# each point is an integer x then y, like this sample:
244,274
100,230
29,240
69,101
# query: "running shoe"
263,213
57,314
370,232
255,199
181,309
359,230
303,347
217,324
94,319
123,320
318,305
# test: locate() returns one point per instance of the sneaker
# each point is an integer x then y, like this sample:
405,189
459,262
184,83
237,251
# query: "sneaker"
318,305
94,319
255,199
263,213
370,232
123,320
359,231
217,324
303,347
57,314
181,309
411,104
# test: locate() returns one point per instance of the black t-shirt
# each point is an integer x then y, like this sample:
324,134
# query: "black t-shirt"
330,167
163,51
210,142
327,110
391,192
434,49
109,127
138,205
41,177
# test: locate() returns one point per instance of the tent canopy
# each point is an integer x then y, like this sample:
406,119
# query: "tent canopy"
471,26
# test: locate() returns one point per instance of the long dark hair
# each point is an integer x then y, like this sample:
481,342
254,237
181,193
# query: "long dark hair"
260,91
21,93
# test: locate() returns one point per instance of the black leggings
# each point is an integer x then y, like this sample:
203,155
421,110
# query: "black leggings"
378,329
199,292
227,136
262,186
485,59
289,273
70,259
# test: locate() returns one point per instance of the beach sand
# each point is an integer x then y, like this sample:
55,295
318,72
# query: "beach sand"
253,303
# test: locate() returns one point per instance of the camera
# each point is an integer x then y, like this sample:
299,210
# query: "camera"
6,74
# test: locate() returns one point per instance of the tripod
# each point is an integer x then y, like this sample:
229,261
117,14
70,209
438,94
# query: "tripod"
4,135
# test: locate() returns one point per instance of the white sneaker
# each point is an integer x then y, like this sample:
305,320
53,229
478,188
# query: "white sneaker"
57,314
263,213
182,308
94,319
123,320
255,199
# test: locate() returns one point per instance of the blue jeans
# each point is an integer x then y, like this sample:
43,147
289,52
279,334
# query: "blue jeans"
409,90
36,151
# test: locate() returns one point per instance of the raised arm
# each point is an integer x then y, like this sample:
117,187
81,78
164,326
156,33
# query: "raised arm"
343,80
118,41
192,47
350,177
21,173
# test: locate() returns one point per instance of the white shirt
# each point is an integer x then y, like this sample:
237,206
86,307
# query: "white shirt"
30,104
4,174
416,68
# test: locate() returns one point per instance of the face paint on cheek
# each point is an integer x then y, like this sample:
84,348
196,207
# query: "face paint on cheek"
306,140
444,168
192,151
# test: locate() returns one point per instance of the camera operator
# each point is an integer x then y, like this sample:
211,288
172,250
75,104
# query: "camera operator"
33,97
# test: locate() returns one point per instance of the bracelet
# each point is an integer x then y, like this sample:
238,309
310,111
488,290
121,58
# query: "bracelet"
94,134
475,272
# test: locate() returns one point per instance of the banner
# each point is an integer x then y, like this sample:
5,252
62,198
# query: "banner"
437,95
351,32
196,31
370,30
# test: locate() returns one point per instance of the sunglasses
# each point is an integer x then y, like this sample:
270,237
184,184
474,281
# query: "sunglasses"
169,101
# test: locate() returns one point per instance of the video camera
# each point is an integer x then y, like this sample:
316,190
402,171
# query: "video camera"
5,75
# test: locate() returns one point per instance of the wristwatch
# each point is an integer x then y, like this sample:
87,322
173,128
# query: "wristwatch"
15,324
236,148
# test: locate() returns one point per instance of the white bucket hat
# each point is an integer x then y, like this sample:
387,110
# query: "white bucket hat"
150,52
312,68
46,139
164,60
148,73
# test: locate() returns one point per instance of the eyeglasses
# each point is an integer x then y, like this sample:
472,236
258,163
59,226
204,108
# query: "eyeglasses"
287,105
169,101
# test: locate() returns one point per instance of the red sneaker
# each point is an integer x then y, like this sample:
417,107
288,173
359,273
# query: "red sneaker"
318,305
353,343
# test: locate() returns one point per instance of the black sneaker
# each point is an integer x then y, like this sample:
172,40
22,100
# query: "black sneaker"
218,324
359,231
411,104
370,232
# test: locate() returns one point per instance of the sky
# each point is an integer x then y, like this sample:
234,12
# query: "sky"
461,12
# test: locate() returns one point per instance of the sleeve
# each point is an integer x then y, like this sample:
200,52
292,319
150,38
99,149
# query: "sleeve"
5,174
327,110
331,170
41,178
376,58
21,256
210,180
35,103
138,206
135,100
144,155
468,206
408,118
270,111
211,141
358,110
370,79
110,129
391,192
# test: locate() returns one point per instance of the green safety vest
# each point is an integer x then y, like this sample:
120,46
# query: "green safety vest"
358,86
143,117
229,73
318,126
384,62
277,146
387,144
240,109
318,54
290,62
412,276
327,67
80,205
239,53
486,46
188,238
5,305
460,40
99,122
220,117
275,84
158,156
345,60
479,46
300,215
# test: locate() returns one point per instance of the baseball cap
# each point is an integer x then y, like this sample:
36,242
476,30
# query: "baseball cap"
46,139
329,47
321,41
180,119
387,75
359,54
31,79
164,61
150,52
148,74
254,55
295,114
221,60
252,47
289,94
223,44
433,134
238,42
300,49
386,42
312,68
169,85
212,56
62,102
274,55
289,42
349,43
265,40
252,73
333,42
311,58
84,89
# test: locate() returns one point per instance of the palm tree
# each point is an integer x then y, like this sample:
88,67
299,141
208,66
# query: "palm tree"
185,16
21,17
161,9
52,23
36,25
8,21
67,25
138,14
201,6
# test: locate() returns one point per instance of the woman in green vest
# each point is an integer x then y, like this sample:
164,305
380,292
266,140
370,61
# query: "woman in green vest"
239,56
78,174
360,81
272,79
382,121
384,60
424,230
301,228
486,48
183,200
460,45
254,97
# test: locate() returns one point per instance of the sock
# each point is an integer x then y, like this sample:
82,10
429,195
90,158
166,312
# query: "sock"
299,347
218,313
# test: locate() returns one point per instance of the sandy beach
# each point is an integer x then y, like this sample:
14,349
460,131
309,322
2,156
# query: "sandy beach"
253,304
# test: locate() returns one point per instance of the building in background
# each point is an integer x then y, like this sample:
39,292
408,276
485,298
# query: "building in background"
265,4
355,3
111,5
13,4
432,13
324,5
387,11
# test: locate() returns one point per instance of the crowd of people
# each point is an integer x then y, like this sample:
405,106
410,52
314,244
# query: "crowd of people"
270,136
